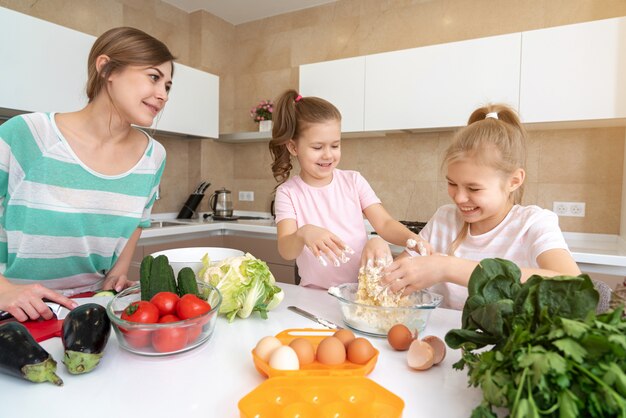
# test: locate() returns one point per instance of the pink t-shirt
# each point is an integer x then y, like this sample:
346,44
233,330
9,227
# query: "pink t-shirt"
525,233
337,207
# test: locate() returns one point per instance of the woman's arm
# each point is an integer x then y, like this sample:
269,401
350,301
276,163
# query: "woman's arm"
117,277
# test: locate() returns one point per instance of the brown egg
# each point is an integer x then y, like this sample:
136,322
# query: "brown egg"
345,335
400,337
360,351
304,350
331,351
439,347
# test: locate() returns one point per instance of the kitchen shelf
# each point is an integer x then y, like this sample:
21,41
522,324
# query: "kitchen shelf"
241,137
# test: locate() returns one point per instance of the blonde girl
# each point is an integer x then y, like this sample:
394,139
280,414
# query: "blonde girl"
319,212
76,188
485,173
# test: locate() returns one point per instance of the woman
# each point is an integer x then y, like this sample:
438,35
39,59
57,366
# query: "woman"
75,188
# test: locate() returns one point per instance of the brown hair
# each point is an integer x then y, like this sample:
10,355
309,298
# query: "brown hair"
124,46
498,142
292,115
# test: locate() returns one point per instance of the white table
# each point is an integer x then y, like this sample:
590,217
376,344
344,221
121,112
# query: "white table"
210,380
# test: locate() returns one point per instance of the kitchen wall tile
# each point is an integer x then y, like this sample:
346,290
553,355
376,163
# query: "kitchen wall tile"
253,161
217,40
581,155
395,195
175,187
422,202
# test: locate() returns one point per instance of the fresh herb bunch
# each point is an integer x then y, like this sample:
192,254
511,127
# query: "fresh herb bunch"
551,355
262,111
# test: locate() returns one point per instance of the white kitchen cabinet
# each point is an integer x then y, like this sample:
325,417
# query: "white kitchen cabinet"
440,85
193,105
44,68
341,82
574,72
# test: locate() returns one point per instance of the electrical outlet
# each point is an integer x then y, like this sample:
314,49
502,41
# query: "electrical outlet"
576,209
246,196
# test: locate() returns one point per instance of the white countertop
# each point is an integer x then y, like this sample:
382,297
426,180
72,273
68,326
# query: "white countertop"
210,380
594,253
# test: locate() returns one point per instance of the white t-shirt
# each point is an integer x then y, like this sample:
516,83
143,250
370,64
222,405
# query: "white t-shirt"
525,233
337,207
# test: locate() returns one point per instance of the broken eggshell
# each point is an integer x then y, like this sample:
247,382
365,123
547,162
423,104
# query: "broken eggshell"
421,355
438,346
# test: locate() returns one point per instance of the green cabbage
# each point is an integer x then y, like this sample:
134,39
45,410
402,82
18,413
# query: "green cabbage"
246,285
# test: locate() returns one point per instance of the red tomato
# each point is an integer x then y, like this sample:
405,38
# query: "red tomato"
141,312
165,302
190,306
169,339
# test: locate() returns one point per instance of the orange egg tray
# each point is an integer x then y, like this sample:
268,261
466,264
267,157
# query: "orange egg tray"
320,397
315,336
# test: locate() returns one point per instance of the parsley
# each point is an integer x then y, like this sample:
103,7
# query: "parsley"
550,356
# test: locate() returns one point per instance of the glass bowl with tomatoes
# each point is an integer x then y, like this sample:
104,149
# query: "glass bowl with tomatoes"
167,323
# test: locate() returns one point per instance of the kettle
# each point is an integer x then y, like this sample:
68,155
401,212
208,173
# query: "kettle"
221,203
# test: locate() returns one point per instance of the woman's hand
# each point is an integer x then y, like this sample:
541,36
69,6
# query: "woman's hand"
376,253
26,301
325,246
116,282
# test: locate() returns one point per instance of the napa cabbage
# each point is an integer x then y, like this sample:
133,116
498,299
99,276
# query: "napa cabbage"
246,285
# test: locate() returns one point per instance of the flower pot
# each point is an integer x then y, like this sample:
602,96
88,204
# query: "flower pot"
265,126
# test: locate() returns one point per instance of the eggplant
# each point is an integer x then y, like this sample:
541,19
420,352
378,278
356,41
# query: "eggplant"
22,356
86,330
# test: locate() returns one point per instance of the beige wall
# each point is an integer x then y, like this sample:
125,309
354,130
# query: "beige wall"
260,59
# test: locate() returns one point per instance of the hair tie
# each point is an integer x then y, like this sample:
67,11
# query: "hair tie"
298,98
493,115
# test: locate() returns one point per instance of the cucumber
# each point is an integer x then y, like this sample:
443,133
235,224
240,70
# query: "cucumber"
160,273
171,280
187,282
144,276
105,293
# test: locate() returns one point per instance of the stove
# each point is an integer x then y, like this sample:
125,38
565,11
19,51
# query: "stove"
414,226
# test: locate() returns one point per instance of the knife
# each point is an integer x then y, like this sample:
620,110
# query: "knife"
312,317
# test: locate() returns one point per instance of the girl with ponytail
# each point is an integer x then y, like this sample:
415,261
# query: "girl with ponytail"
485,172
319,212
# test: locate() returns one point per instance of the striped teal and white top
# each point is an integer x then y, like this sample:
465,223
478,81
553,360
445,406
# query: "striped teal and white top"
61,223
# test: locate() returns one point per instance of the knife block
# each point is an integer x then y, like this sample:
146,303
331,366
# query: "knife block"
190,206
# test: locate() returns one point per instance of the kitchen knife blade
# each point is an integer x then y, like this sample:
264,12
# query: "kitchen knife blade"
322,321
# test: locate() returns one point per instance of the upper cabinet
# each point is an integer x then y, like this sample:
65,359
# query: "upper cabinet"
440,85
44,66
574,72
45,69
566,73
193,104
341,82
